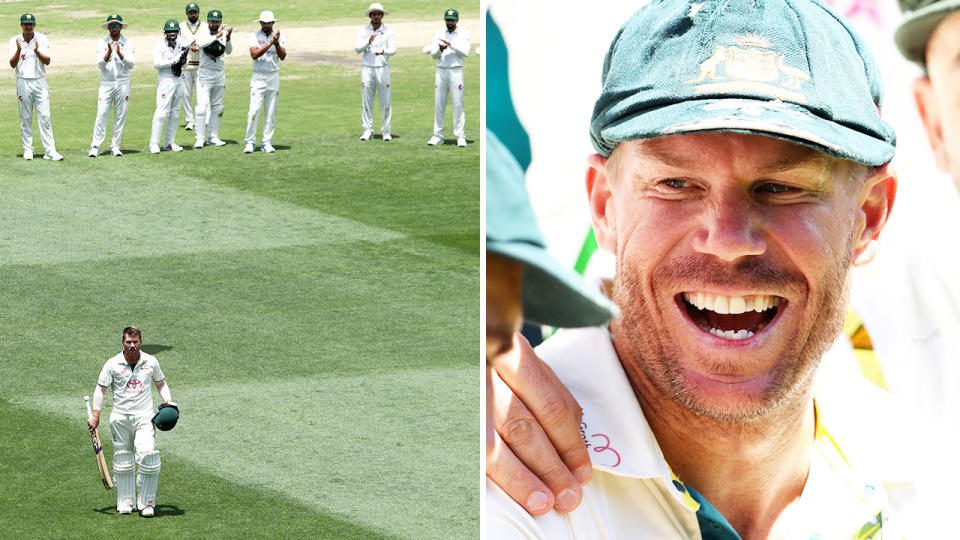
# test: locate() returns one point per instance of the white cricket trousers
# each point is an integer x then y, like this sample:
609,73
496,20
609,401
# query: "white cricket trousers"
375,80
263,93
168,110
34,93
188,82
209,110
117,95
134,433
449,81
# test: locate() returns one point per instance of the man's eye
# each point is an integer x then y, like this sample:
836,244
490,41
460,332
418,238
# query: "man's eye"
775,189
676,183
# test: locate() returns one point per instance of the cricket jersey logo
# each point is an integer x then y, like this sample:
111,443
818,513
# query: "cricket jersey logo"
750,67
135,385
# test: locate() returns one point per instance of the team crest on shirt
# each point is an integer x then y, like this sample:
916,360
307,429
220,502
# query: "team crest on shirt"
135,385
20,98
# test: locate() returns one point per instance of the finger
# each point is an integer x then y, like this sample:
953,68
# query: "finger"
554,407
534,450
509,473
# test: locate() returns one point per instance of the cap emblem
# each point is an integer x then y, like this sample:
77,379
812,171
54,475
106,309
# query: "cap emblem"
750,69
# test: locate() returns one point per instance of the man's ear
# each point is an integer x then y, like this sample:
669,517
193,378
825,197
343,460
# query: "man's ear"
601,207
930,114
879,192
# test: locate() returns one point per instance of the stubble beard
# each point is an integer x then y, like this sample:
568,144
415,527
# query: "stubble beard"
653,350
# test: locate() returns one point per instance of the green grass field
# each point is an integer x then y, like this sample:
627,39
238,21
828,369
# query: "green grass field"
316,311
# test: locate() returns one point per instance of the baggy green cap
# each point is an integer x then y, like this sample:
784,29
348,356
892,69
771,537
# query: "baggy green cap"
920,18
451,14
192,6
788,69
214,15
552,293
28,18
171,26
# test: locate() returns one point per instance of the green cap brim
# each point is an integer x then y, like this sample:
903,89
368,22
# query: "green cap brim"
552,293
914,32
777,119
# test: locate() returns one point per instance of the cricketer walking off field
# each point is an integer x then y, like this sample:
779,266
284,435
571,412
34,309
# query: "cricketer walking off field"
129,375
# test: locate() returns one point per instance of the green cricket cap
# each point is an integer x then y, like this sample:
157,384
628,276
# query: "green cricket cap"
552,293
114,18
214,15
171,26
920,18
192,6
28,18
788,69
451,14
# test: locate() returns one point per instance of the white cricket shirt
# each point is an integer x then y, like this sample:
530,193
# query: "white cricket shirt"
163,57
132,386
116,69
29,66
211,69
634,494
385,42
453,55
269,62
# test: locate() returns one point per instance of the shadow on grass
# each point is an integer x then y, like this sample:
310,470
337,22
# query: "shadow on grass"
161,510
155,348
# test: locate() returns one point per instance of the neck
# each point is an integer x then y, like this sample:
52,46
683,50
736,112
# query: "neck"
376,26
27,36
130,360
749,470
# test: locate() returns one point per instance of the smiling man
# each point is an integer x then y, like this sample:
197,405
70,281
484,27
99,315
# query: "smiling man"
741,172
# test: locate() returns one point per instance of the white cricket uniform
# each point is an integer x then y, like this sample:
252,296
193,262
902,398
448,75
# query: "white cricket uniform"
211,83
375,74
114,90
168,93
130,418
32,91
188,77
449,79
861,473
264,88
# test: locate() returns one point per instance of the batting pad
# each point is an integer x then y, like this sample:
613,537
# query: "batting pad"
149,476
123,478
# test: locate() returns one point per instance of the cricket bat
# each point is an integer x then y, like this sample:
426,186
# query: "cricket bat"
98,451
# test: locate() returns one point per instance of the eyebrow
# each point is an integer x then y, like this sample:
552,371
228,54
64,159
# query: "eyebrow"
784,161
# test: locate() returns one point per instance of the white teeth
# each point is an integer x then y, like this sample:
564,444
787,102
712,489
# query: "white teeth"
731,304
731,334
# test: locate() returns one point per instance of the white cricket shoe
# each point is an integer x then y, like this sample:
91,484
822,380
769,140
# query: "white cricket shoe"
461,142
215,141
387,137
124,509
173,147
154,148
366,135
147,512
188,127
435,141
94,151
248,149
28,154
268,148
116,152
53,155
198,144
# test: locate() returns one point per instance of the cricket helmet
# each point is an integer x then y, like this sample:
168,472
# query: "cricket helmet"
166,416
215,49
171,26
